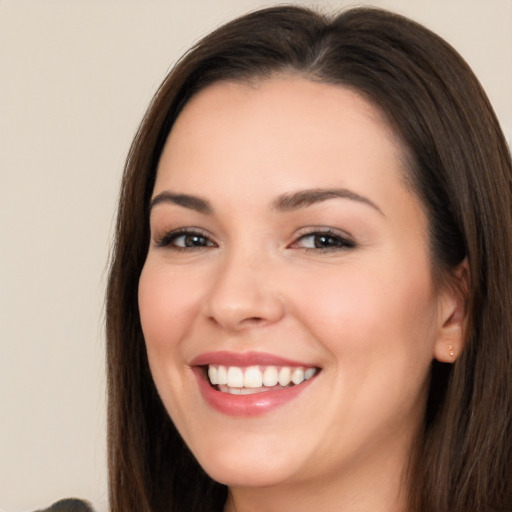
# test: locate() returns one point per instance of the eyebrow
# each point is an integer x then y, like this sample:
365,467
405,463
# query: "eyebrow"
303,198
283,203
187,201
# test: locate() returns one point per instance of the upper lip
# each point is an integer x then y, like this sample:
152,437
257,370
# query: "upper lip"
243,359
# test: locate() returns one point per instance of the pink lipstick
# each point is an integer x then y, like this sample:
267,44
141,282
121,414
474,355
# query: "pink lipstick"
250,383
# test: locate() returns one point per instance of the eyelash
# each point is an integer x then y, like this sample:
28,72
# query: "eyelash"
169,239
337,241
341,242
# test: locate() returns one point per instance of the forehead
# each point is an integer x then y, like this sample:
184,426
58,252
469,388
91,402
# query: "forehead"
313,105
289,130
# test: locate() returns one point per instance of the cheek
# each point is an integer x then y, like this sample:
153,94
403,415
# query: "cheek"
372,314
167,304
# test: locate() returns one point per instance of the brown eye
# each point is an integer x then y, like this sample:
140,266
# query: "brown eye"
191,240
326,240
185,240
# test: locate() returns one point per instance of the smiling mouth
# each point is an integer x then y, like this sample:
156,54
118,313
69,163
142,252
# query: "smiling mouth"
239,380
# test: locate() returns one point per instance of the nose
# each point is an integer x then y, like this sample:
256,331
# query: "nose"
244,294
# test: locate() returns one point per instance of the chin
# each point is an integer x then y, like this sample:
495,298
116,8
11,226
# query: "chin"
249,477
242,470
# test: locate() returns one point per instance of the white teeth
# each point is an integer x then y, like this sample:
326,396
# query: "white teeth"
255,379
222,377
242,391
285,376
297,375
235,377
212,375
270,377
250,391
309,373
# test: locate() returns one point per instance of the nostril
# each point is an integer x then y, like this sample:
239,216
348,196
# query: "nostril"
245,322
253,321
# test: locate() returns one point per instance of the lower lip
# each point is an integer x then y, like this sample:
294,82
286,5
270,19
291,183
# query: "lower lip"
247,405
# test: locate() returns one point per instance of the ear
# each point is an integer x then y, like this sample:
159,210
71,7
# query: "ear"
453,317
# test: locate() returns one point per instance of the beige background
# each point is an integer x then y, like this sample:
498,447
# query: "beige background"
75,78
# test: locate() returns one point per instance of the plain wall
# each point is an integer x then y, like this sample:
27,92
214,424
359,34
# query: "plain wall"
75,79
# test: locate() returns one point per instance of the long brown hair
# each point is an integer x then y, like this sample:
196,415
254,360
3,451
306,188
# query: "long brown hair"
460,168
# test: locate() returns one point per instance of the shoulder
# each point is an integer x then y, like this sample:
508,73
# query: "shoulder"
69,505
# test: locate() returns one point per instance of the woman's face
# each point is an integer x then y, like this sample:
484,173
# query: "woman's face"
286,245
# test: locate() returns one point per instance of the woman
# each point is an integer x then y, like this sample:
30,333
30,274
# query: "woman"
309,299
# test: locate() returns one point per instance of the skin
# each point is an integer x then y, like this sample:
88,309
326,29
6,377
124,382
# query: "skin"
365,309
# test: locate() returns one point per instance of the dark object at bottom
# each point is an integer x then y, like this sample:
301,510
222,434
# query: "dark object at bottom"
68,505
